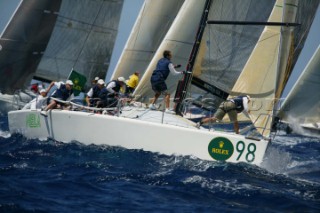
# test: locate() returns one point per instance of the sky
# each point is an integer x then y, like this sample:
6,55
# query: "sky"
131,9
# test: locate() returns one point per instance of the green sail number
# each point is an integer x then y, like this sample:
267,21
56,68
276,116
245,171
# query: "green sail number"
241,147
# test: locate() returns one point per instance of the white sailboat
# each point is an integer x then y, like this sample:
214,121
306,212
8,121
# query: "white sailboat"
66,35
301,108
151,130
22,44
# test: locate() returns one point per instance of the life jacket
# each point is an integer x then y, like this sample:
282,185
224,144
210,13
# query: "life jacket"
117,87
96,91
239,103
162,71
104,93
62,93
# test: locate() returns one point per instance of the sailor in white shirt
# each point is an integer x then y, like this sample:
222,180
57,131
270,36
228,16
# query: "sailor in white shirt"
38,102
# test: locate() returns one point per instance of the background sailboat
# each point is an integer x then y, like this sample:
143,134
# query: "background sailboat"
22,45
83,40
81,37
302,105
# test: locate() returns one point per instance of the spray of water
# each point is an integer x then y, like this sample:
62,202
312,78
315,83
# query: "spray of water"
5,134
276,161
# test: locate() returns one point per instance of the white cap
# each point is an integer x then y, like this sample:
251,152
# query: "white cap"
69,82
100,81
96,78
122,79
42,90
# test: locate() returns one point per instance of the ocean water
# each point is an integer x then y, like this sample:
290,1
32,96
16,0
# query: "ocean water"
49,176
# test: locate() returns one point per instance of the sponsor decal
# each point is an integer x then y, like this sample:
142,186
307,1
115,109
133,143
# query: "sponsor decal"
33,120
220,148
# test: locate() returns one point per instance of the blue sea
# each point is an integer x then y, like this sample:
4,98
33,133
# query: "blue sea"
50,176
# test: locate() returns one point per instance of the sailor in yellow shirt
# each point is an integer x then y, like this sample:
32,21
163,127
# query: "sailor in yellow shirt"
132,82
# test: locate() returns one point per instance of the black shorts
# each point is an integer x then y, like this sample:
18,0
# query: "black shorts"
159,87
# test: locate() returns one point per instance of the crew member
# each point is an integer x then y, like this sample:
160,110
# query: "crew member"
93,94
63,92
232,107
159,75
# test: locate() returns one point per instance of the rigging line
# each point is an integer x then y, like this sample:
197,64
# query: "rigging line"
185,83
84,43
83,22
285,24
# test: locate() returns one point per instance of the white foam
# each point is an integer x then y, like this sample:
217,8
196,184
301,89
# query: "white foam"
5,134
276,160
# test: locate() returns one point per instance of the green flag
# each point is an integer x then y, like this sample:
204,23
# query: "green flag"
79,81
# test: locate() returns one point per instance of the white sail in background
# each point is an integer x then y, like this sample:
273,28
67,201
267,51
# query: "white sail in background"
23,42
44,40
82,39
179,40
302,105
152,24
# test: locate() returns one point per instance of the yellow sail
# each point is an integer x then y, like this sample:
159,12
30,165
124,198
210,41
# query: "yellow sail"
258,78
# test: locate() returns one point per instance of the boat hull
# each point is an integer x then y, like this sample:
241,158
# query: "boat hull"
88,128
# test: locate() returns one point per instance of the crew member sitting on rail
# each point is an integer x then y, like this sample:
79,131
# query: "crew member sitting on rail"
63,92
93,94
109,94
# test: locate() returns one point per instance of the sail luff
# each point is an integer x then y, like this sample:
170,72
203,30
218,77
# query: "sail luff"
285,66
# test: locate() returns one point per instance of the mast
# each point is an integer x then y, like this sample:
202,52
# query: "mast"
183,84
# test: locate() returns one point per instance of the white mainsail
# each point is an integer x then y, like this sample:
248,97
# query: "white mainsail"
302,105
152,24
